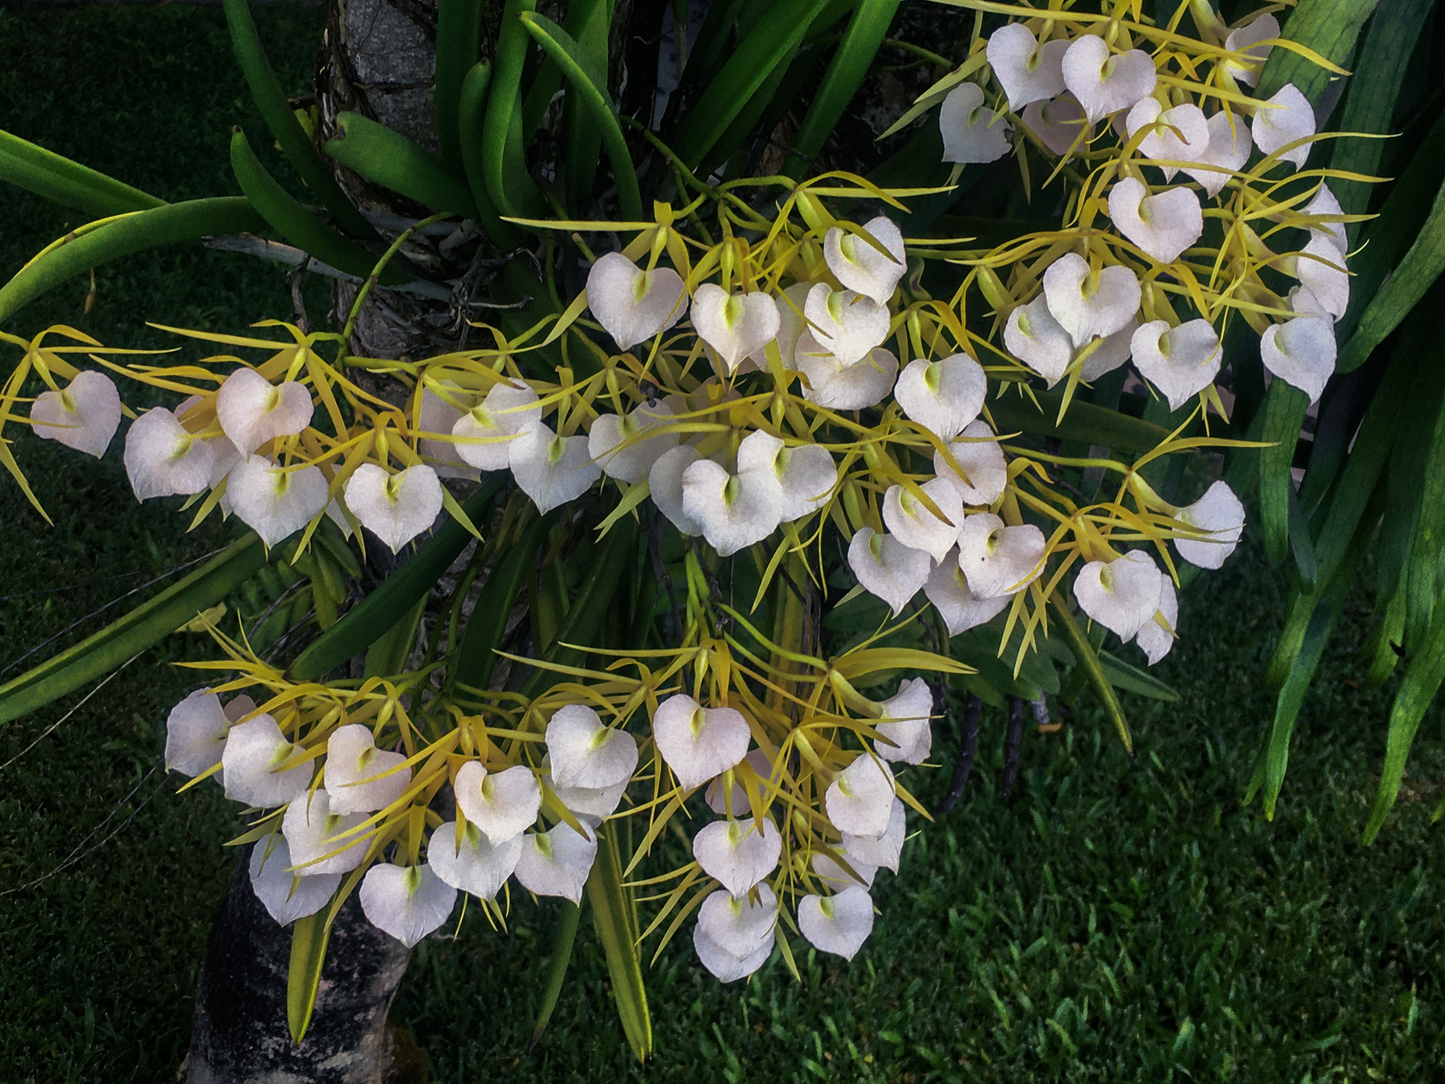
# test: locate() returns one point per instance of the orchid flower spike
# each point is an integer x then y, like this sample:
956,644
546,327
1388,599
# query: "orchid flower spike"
353,765
1026,70
997,559
859,266
905,723
287,894
252,411
318,835
738,853
1220,513
1282,119
163,459
942,396
556,863
1086,306
734,936
859,801
253,752
394,507
476,866
806,474
552,470
734,325
839,923
83,416
633,304
698,743
1120,594
485,432
1058,123
1105,82
275,502
1163,225
915,526
407,902
585,752
971,131
502,804
1181,361
887,568
960,608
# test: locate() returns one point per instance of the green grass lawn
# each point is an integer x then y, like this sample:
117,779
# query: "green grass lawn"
1117,919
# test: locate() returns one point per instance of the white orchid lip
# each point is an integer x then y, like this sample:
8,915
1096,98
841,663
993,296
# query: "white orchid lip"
835,386
620,443
1301,352
1220,514
859,801
1038,340
1086,305
484,433
476,866
1181,361
1120,594
633,304
1163,225
942,396
252,411
997,559
1228,150
254,752
887,568
960,609
1026,70
1105,82
734,325
733,510
556,862
738,853
905,723
972,133
1060,124
1156,636
843,323
1243,40
806,473
84,415
552,470
664,483
739,925
910,521
196,733
860,266
407,902
839,923
1321,270
501,804
698,743
1284,118
321,839
394,507
587,753
981,458
162,458
359,777
1180,134
286,894
274,501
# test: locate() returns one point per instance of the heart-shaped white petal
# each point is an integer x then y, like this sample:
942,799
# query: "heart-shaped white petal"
1300,352
971,131
905,723
1026,70
273,502
1106,82
476,867
910,521
620,443
838,924
792,322
162,458
1321,270
84,415
1228,150
960,609
253,752
1283,119
859,266
1120,594
1181,362
1086,307
633,304
887,568
1242,40
843,323
484,433
591,805
828,864
860,798
942,396
407,902
1324,203
806,474
1220,513
738,925
1038,340
439,416
556,863
882,850
502,804
738,853
286,895
552,470
356,774
587,753
664,483
1179,134
196,733
1111,352
734,325
317,835
696,742
726,967
1153,638
394,507
835,386
996,559
252,411
1163,225
733,510
1058,123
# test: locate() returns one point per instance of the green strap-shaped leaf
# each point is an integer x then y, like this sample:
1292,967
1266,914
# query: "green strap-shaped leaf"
175,222
591,86
374,615
612,918
71,184
308,955
503,154
276,111
1284,413
1083,422
387,656
391,160
1330,28
1088,660
298,225
138,630
477,658
458,41
562,945
1127,676
1428,541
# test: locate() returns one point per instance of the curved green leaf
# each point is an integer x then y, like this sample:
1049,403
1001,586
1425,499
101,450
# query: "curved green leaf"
612,917
503,154
471,113
1284,413
395,162
1127,676
308,955
1088,661
562,944
1083,422
62,181
476,658
459,37
1330,28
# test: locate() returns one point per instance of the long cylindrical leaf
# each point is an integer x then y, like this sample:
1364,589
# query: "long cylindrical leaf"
503,155
57,178
459,36
471,114
391,160
309,935
583,139
562,945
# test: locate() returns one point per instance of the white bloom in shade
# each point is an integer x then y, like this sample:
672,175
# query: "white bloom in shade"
620,444
286,894
254,750
485,432
905,722
556,863
83,416
1026,70
733,510
394,507
477,866
502,804
552,470
806,474
843,323
1242,39
251,410
591,805
997,559
1120,594
633,304
1321,271
196,733
1325,203
734,325
1286,117
1058,123
240,707
274,502
439,416
734,936
1300,352
910,521
698,743
767,773
407,902
587,753
980,459
1220,513
835,386
1180,134
948,590
859,801
1163,225
1085,307
942,396
1112,352
887,568
971,131
880,850
738,853
1038,340
353,763
828,865
1106,82
223,458
664,482
792,323
839,923
1228,150
162,458
1181,362
1153,638
317,835
859,266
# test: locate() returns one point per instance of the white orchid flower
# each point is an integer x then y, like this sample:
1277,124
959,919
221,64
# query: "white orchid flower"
353,763
1301,351
882,850
501,804
997,559
839,923
1026,70
910,521
1156,636
407,902
1057,123
843,323
1242,40
196,732
1111,352
738,853
1228,150
587,753
620,444
972,133
806,473
1180,133
439,416
163,459
1105,82
905,722
887,568
633,304
960,608
84,415
1182,361
552,470
942,396
665,485
1038,340
273,501
736,326
253,752
835,386
252,411
1321,270
590,805
734,937
859,801
1282,119
556,863
1220,513
1085,306
394,507
1163,225
314,830
286,894
1120,594
1324,202
698,743
485,433
859,266
733,510
792,323
476,866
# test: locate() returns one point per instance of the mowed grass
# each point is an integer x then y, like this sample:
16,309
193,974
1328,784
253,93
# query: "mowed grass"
1118,919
